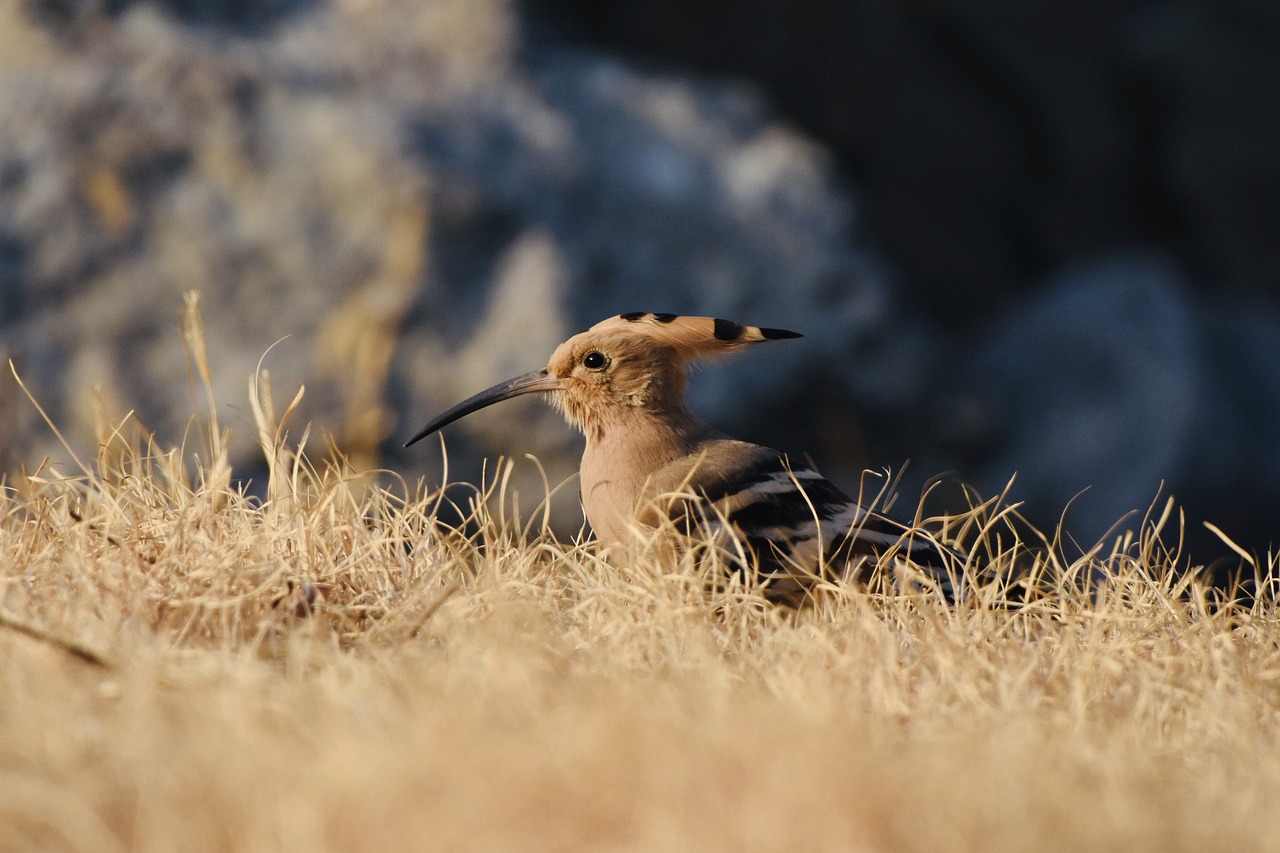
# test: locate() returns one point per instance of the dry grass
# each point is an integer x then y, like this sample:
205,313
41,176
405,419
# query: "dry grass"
330,668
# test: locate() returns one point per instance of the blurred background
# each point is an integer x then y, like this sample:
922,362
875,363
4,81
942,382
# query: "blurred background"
1018,238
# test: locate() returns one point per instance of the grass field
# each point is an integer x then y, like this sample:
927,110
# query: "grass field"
186,668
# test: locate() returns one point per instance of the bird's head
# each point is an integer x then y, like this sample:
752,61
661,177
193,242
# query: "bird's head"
620,367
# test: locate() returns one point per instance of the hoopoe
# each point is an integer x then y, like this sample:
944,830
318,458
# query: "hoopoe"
622,383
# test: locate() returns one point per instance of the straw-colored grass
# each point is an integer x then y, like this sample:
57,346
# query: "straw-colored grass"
330,668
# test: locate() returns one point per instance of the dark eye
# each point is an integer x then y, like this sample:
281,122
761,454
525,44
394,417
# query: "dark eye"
594,360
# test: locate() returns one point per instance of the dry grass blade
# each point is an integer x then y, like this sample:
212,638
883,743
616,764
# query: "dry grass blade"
1230,543
45,416
71,647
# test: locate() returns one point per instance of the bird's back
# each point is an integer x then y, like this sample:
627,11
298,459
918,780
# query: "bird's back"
795,525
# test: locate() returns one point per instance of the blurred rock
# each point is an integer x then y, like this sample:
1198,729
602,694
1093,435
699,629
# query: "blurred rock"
420,209
660,194
590,189
1087,391
1113,385
1234,470
153,159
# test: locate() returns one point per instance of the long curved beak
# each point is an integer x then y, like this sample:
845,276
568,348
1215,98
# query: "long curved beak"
537,382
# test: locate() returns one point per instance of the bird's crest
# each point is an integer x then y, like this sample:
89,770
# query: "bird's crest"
692,337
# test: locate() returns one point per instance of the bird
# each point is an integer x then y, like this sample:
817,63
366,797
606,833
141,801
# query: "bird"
622,384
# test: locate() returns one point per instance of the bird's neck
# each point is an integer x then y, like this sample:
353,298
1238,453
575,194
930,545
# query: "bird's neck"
621,456
673,426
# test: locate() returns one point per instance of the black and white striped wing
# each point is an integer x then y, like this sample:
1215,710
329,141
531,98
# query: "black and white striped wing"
798,523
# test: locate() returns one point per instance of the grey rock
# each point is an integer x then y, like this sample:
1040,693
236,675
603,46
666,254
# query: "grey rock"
398,208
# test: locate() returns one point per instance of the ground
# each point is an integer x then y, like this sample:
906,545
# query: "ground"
329,667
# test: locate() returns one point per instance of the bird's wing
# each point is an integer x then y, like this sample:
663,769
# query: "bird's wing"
797,522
